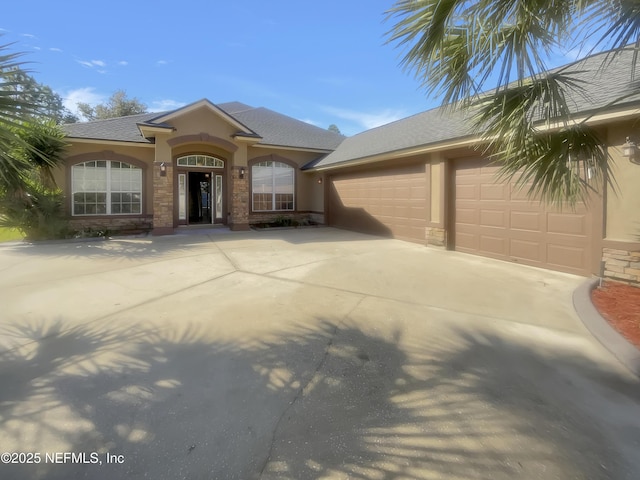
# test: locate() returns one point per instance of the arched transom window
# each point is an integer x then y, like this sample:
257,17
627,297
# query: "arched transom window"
204,161
272,186
104,187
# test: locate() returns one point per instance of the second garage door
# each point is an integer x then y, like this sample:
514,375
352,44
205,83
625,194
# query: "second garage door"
495,219
390,202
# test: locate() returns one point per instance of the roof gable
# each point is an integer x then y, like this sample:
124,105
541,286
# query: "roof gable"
204,103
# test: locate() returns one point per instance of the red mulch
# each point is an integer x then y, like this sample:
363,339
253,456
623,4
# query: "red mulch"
619,304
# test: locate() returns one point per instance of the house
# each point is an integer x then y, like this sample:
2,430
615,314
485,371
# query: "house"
419,179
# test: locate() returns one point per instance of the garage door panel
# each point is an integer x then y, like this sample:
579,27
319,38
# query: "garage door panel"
526,250
529,221
566,256
506,224
466,242
493,244
571,224
389,202
467,192
493,218
493,192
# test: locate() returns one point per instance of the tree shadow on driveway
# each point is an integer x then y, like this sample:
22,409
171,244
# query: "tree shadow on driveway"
328,400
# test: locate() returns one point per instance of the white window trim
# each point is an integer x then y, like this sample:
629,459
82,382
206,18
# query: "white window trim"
218,162
273,188
108,191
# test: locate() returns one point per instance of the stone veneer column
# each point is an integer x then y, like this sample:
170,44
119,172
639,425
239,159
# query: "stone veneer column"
162,199
622,265
239,199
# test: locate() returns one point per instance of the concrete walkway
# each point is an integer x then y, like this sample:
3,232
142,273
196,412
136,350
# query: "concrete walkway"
302,354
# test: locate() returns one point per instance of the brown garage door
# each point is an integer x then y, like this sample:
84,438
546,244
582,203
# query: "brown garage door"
389,202
495,219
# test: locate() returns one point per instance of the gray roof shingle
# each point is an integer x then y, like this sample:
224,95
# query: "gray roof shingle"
273,127
601,84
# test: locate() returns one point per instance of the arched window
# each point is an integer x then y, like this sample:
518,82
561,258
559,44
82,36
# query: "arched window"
272,186
104,187
200,161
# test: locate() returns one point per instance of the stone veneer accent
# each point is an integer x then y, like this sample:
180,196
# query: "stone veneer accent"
622,265
239,200
162,199
436,236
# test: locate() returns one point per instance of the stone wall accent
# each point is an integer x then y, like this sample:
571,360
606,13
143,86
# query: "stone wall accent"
436,236
622,265
162,199
239,200
114,224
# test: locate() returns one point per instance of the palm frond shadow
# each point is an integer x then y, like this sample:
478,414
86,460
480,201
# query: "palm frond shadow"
314,401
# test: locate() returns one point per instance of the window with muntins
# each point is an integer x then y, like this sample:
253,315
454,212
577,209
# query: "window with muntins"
104,187
272,186
204,161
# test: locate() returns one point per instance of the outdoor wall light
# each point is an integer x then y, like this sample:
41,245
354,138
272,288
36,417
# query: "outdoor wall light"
242,172
629,150
163,170
319,180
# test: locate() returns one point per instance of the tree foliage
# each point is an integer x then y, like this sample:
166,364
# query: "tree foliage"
459,48
118,105
30,146
49,104
334,128
14,109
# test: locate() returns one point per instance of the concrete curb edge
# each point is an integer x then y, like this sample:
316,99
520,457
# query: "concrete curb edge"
619,346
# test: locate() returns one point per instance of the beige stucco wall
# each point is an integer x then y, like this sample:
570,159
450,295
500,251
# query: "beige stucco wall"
202,120
623,205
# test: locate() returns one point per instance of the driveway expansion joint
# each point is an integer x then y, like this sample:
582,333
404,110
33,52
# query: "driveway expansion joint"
299,394
619,346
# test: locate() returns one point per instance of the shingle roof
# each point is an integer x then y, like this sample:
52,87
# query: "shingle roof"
123,129
273,127
600,87
278,129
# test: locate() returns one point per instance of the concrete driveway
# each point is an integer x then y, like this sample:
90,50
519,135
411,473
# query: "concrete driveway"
301,354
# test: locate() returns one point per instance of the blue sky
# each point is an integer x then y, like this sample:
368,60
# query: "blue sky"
321,62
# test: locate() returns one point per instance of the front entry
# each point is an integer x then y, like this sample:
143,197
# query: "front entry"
200,198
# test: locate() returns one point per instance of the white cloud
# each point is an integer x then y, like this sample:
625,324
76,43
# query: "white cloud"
164,105
161,62
54,49
123,63
367,119
310,122
88,95
28,35
93,64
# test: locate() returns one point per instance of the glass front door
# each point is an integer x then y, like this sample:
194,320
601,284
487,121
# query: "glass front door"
200,198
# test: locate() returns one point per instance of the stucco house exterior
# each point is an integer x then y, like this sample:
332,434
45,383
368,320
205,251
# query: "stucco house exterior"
420,179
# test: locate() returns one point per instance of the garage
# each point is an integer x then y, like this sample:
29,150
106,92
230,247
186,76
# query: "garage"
389,202
497,220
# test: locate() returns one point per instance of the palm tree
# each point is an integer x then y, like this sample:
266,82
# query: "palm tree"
13,112
457,48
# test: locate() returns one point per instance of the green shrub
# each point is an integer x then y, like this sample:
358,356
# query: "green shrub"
37,211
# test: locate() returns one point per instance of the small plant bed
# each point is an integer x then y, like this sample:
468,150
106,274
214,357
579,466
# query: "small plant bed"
284,222
619,304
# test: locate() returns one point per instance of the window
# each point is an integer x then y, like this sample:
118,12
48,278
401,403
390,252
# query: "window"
103,187
200,161
272,186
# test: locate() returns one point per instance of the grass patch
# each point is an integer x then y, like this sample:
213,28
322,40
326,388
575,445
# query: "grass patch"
10,234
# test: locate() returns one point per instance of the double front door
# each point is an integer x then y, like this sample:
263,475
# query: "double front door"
200,198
